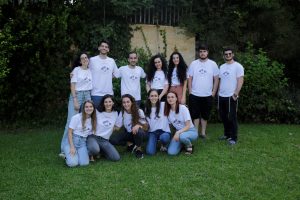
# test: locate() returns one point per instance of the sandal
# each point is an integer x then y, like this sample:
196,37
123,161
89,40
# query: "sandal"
189,150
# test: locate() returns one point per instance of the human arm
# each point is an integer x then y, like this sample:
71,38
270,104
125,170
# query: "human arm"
240,82
75,100
190,84
184,92
185,128
136,128
148,86
164,91
215,86
70,138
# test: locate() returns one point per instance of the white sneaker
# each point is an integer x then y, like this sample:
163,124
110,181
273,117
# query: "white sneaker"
62,155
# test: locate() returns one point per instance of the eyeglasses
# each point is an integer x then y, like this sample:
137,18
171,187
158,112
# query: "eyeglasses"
227,54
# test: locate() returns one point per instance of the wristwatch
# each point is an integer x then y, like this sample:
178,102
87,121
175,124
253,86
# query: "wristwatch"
235,95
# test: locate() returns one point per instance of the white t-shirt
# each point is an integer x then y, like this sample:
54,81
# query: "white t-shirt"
130,80
82,79
102,74
126,120
178,120
76,125
159,80
228,78
174,79
203,74
105,123
156,123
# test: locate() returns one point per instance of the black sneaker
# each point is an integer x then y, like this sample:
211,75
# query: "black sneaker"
131,148
139,154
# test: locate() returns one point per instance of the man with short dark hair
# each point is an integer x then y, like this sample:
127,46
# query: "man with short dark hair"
231,82
203,84
103,69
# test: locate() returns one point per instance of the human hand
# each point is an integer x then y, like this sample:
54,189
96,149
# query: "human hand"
72,151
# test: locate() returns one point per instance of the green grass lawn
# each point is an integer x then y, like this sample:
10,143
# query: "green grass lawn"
265,164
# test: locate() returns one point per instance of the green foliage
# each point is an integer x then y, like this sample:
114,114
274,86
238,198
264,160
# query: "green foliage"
263,94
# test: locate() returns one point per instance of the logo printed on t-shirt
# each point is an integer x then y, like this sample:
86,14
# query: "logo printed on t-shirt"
106,123
155,79
133,77
104,69
202,71
226,73
178,122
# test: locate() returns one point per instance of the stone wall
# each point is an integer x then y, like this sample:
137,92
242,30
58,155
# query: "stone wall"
176,38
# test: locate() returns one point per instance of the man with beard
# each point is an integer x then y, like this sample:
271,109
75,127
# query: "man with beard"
231,82
131,75
203,84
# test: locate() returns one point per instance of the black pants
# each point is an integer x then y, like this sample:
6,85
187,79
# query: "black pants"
122,138
228,114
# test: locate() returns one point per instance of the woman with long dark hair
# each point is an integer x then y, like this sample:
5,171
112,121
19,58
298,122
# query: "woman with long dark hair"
177,76
81,125
133,119
179,116
158,123
157,76
106,119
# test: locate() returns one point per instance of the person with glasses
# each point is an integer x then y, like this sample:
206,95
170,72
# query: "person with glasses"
231,81
81,86
203,85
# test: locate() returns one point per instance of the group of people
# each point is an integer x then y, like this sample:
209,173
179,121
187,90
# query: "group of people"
92,117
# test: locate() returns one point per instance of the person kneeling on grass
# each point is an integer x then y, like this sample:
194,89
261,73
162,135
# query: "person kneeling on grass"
106,120
81,125
135,125
159,128
180,118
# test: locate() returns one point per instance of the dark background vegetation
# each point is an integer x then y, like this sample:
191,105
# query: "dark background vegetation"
39,40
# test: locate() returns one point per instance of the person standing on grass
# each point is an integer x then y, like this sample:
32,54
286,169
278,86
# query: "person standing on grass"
203,84
179,116
177,76
103,69
81,86
159,128
231,82
135,125
130,77
157,76
81,125
106,119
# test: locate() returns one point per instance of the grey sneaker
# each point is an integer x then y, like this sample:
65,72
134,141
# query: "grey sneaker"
163,148
139,154
223,137
231,142
62,155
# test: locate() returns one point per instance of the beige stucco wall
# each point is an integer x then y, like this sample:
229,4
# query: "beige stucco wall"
175,38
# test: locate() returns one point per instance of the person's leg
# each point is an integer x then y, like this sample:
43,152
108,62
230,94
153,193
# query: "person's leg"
223,110
109,150
71,113
233,119
151,145
194,108
93,145
165,138
139,137
96,100
174,147
205,112
188,136
121,138
83,156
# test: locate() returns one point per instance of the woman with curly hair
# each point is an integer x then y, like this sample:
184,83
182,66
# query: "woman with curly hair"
135,125
177,76
157,76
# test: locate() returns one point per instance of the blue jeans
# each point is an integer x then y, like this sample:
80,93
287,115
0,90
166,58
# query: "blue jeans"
82,96
164,138
97,100
97,144
81,156
185,138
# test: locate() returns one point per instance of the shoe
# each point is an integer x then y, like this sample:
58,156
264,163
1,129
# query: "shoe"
92,159
139,154
131,148
163,148
223,137
231,142
189,150
62,155
202,136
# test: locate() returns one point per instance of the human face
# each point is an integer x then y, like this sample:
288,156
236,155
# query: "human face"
203,54
153,97
103,48
127,103
175,59
228,56
171,99
132,59
108,104
88,108
158,63
84,60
